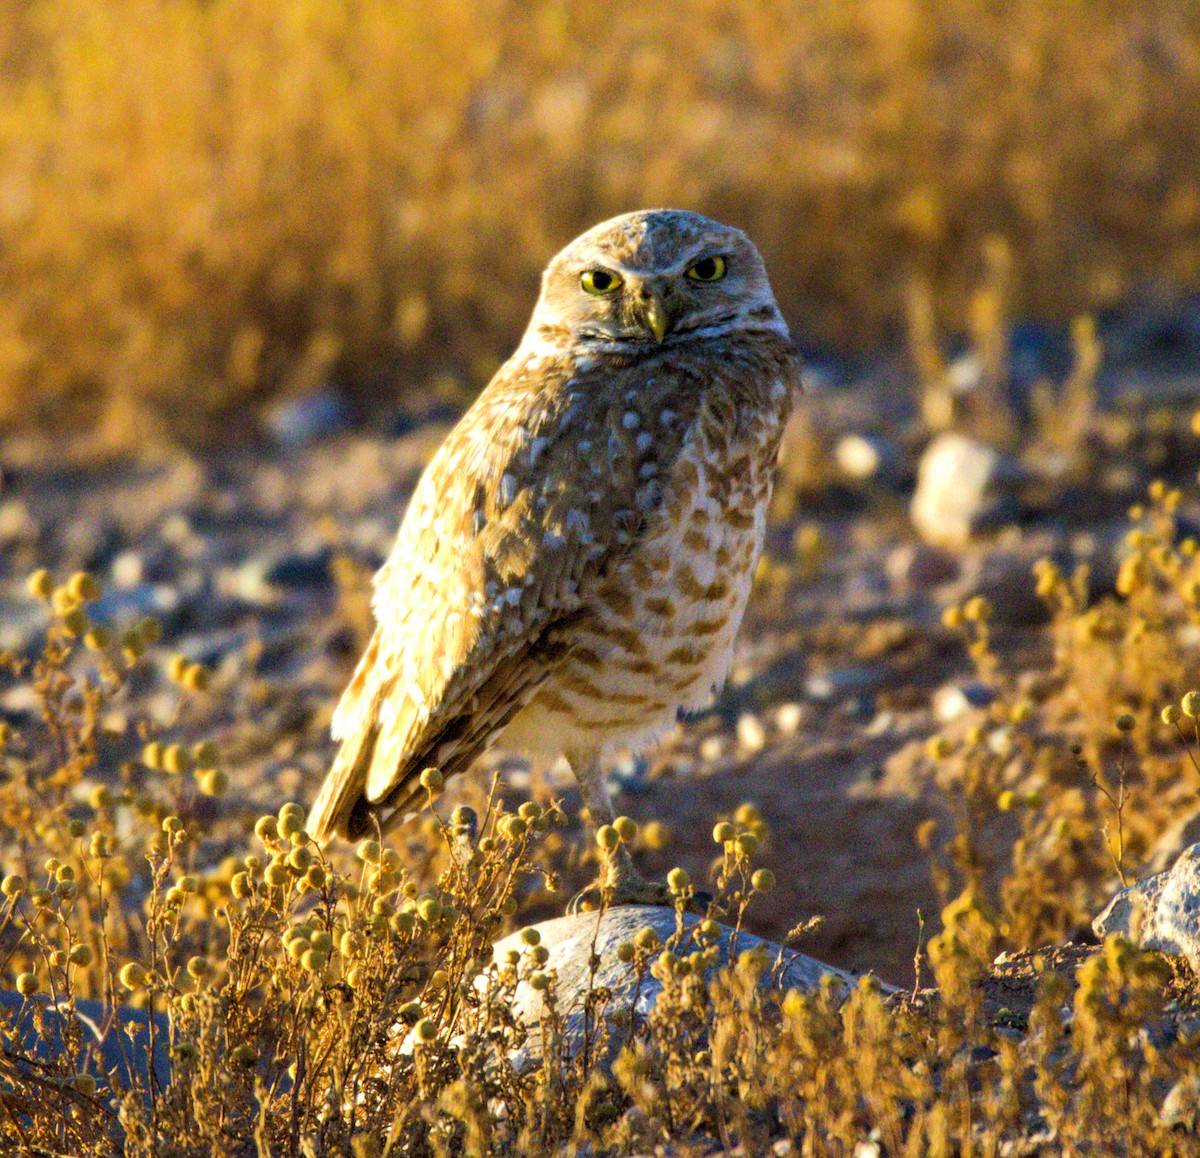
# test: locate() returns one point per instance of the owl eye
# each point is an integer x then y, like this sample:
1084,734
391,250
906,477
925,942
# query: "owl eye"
599,281
708,269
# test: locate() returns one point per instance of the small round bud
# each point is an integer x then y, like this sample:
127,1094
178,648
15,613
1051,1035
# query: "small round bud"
530,936
647,938
76,828
84,1084
724,832
656,835
1191,705
746,844
299,859
368,851
199,967
80,955
244,1054
205,754
1125,722
176,759
607,838
75,622
40,585
276,875
539,981
530,811
763,880
13,885
625,952
196,678
98,638
27,984
425,1031
513,827
83,587
430,911
240,886
432,780
266,829
132,975
1170,715
313,960
539,954
678,880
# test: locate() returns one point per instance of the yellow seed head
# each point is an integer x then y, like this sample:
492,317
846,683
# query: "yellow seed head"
607,838
678,880
132,975
196,678
763,881
425,1031
432,780
27,984
1170,715
746,844
1191,705
13,885
84,587
656,836
530,936
627,828
80,955
40,585
724,832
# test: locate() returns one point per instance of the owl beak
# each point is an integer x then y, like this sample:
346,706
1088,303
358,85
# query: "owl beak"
656,319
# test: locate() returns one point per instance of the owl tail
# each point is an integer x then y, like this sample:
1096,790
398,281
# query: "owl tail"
340,808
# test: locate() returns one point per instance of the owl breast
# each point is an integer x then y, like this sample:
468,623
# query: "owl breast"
659,636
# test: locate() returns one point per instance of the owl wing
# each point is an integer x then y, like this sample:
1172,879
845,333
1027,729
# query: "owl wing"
535,495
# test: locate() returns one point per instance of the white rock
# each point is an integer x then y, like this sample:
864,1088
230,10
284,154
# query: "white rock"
1162,912
962,485
571,941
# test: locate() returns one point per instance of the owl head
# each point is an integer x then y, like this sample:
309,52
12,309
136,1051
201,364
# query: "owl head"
650,279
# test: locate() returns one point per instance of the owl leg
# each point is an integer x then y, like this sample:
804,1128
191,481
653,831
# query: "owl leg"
620,882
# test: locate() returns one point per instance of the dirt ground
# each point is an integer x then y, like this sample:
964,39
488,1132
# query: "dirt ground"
256,561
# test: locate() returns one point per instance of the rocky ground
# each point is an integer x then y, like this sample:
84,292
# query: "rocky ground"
256,559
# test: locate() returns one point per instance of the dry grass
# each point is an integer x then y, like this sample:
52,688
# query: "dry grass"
290,980
205,204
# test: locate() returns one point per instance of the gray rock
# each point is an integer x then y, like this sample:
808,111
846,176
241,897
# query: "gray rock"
572,940
296,422
963,486
107,1043
1181,1107
917,566
1162,912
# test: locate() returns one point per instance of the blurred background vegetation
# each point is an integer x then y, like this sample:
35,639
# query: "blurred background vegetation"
208,203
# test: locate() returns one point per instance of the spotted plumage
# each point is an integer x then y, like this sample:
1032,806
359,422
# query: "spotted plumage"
576,558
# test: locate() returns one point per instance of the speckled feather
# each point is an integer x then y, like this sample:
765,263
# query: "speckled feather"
576,557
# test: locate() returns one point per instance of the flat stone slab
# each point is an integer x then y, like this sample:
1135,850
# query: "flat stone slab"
571,942
1162,912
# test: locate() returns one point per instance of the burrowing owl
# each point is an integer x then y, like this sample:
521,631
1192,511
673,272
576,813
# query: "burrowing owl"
576,558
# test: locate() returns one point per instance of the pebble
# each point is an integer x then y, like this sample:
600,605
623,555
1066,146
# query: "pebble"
788,718
297,422
751,735
957,699
868,458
